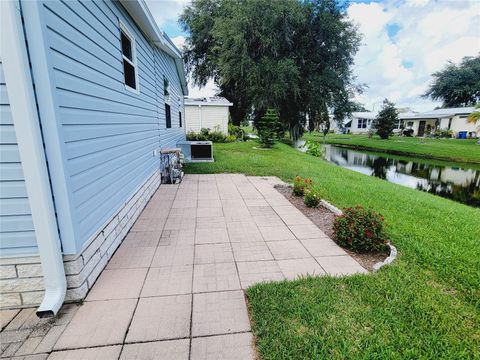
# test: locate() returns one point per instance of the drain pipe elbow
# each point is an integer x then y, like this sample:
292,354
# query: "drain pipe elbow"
30,146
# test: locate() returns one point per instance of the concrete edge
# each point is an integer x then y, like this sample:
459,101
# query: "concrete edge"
390,259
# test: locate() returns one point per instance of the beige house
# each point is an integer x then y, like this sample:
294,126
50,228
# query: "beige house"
454,119
209,112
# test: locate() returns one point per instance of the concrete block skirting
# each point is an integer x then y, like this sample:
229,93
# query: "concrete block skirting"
21,279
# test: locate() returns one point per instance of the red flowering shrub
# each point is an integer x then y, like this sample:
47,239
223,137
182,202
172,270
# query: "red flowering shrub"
300,185
360,230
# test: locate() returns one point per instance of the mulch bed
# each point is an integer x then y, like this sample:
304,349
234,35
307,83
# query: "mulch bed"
323,218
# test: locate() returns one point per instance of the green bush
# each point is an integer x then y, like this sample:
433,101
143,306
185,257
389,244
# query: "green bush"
205,134
193,136
268,128
312,197
236,131
230,138
360,230
217,137
300,184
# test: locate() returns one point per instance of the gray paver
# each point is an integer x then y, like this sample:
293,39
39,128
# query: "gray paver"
289,249
219,313
104,353
164,350
215,277
213,253
340,265
224,347
118,284
98,323
161,318
168,280
251,251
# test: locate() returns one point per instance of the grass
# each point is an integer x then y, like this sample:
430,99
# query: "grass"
465,151
426,305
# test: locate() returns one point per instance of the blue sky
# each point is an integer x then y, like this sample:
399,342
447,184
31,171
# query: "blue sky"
404,41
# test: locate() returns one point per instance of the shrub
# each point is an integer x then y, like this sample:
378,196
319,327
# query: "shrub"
268,128
314,148
236,131
385,121
230,138
193,136
408,132
299,185
205,134
217,137
360,230
312,197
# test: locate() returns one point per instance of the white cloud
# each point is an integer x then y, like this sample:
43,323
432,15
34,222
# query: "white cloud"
429,34
164,11
179,41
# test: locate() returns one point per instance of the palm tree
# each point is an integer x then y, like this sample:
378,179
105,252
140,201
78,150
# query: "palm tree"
474,118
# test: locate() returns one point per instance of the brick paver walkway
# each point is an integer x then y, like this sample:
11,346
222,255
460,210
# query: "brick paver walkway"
174,288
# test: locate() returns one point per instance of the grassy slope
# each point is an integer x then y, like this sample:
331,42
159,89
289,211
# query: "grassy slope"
425,305
442,149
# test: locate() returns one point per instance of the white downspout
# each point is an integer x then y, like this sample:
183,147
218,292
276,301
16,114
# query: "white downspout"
25,117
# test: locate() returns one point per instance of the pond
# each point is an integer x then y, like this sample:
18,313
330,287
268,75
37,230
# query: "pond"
457,182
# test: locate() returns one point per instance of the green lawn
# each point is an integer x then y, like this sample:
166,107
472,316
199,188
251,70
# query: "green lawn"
426,305
466,151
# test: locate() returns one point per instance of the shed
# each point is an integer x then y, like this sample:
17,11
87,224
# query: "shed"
207,112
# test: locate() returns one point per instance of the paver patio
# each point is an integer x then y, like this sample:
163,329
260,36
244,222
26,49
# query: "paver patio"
174,288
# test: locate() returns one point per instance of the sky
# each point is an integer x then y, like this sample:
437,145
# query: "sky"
403,43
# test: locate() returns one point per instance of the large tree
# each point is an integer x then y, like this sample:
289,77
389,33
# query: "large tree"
291,55
457,85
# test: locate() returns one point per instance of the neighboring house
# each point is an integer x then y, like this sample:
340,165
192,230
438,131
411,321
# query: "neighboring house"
84,109
208,112
454,119
360,122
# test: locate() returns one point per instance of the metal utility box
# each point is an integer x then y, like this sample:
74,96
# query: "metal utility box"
197,151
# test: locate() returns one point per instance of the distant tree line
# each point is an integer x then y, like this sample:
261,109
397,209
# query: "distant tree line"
294,56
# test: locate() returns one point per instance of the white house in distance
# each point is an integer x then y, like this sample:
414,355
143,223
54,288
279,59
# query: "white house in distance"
208,112
454,119
361,122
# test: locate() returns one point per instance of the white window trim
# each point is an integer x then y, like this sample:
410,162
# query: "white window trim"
134,63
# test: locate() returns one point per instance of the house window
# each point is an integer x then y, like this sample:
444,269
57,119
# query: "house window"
449,123
168,116
410,124
130,71
398,124
362,123
179,119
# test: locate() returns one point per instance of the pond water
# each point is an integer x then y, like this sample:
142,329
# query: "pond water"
459,183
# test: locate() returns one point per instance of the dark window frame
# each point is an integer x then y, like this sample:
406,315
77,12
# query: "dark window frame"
179,119
168,116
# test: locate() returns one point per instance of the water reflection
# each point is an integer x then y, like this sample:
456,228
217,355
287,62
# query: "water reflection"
453,182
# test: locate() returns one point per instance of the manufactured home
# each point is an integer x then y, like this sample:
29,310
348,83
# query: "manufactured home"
91,92
454,119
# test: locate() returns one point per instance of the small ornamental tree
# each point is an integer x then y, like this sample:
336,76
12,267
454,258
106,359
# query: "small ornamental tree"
267,128
386,119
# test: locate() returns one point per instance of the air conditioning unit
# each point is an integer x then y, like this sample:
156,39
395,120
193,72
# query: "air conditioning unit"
196,151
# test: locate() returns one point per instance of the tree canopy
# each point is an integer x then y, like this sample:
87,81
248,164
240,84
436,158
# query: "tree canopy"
457,85
291,55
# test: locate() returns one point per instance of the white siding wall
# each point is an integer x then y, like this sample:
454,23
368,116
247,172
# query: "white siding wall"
208,116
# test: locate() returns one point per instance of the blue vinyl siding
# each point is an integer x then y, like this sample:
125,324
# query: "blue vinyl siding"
17,235
110,133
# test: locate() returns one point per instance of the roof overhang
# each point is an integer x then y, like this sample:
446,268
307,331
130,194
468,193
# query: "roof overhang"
140,13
